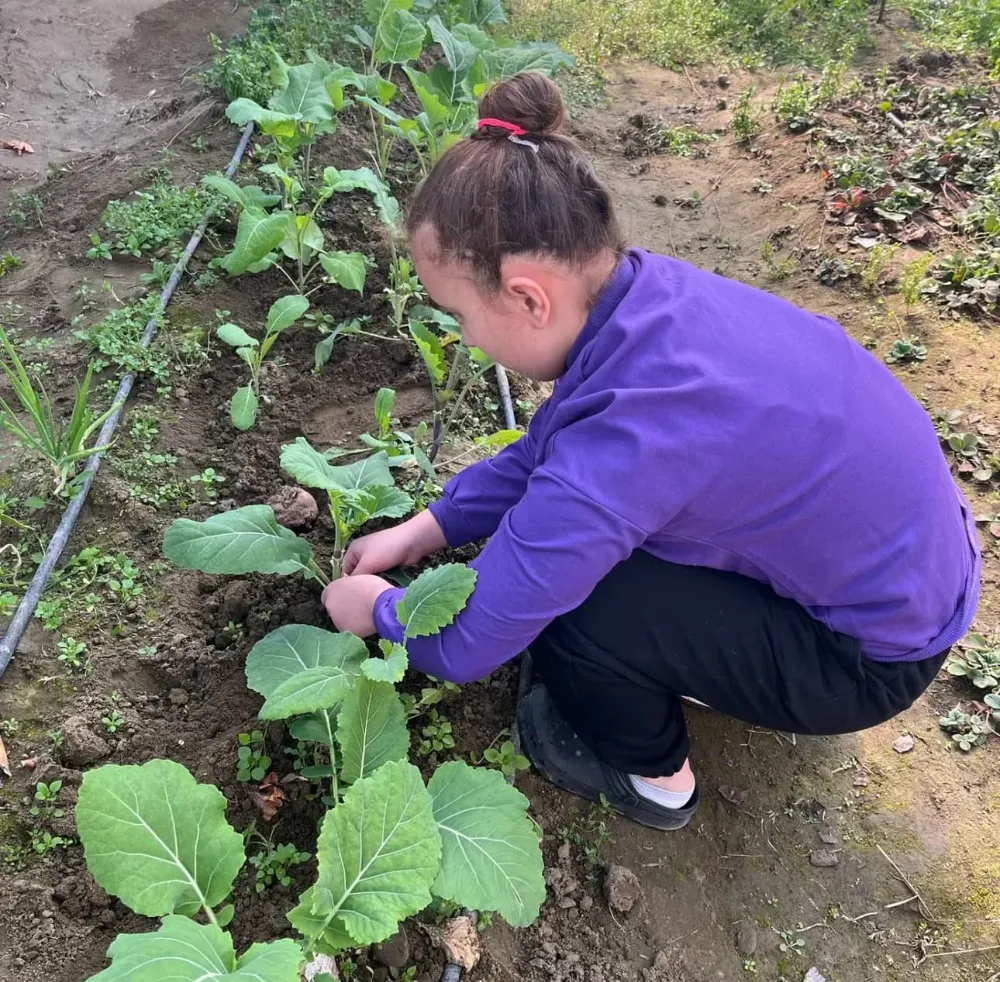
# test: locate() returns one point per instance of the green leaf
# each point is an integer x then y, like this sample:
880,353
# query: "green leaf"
399,37
431,351
382,501
276,124
346,269
292,649
318,727
491,858
310,468
385,399
305,97
184,951
235,336
502,63
303,238
245,540
249,196
308,691
460,53
285,312
375,9
378,852
156,839
324,348
243,408
437,112
482,12
392,668
256,235
500,439
434,598
371,729
326,934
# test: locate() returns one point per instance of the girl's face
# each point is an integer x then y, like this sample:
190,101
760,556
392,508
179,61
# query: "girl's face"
528,325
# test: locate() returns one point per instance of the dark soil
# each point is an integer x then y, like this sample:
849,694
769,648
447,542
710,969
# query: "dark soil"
716,897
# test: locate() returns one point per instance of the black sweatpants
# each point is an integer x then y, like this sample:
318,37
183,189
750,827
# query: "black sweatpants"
653,631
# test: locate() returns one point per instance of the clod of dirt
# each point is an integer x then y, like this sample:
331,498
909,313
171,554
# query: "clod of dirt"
824,857
746,938
661,970
661,201
459,939
622,890
294,508
827,836
80,896
903,744
722,81
81,746
394,953
235,605
732,794
178,697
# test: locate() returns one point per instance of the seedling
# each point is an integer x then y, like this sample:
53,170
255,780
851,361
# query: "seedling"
159,217
966,729
746,116
70,652
252,763
63,445
46,796
404,287
55,738
283,314
9,262
506,760
43,841
99,249
979,661
906,351
437,735
273,862
387,847
112,721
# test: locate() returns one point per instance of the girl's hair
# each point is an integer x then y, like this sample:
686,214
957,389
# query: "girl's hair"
490,197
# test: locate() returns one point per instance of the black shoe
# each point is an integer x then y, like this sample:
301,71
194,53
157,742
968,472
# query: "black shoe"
562,758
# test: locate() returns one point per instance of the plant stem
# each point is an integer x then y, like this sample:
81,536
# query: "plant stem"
314,568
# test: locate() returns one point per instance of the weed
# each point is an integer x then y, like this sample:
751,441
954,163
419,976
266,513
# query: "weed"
778,269
199,145
879,257
790,943
750,966
906,351
99,249
968,730
9,262
273,862
63,445
161,216
797,103
404,287
46,801
505,759
913,277
25,207
43,841
590,832
866,171
117,338
436,735
746,116
112,721
55,738
831,270
159,275
9,728
70,652
251,762
644,136
979,661
963,26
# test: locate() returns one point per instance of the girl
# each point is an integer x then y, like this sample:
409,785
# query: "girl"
725,498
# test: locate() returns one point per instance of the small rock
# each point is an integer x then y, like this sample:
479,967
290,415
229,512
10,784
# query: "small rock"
824,857
81,746
394,953
586,902
563,853
622,890
29,763
294,507
903,744
813,976
235,604
827,836
746,938
826,773
732,794
178,697
722,81
661,201
320,965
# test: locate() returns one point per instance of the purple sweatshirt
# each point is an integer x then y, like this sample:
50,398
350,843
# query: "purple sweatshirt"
712,424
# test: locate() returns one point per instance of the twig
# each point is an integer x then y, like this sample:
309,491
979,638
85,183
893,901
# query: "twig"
964,951
742,855
861,917
694,88
924,909
95,93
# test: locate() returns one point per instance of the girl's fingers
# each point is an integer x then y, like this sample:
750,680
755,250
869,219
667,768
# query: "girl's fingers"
350,560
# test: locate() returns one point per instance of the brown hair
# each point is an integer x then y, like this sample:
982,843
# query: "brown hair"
488,197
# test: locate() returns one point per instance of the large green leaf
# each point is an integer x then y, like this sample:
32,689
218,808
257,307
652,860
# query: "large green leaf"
460,53
310,468
276,124
184,951
318,727
482,12
285,311
156,839
256,235
248,196
378,851
502,63
360,178
371,729
491,858
308,691
399,38
437,112
245,540
303,238
434,598
235,336
382,501
346,269
243,407
292,649
374,10
305,97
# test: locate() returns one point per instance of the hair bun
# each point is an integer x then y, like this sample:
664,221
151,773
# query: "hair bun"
529,100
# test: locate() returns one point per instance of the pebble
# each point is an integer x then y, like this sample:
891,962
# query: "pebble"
903,744
746,938
824,858
178,697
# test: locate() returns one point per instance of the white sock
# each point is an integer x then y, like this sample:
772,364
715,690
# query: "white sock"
660,796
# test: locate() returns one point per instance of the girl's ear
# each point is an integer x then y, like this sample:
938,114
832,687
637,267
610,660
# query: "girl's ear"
530,297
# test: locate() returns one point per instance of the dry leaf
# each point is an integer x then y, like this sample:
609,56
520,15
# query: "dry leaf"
18,146
4,764
268,797
903,744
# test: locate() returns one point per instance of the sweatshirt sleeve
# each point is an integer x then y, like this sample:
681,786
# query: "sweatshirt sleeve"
550,550
476,499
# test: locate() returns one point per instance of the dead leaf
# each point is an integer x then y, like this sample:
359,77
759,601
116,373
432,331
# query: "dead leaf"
4,764
734,795
18,146
268,797
903,744
459,939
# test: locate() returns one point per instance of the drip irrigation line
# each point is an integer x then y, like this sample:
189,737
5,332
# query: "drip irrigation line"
60,537
453,972
503,384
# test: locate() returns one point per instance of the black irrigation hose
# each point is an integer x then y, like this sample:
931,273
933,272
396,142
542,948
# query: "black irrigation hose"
60,537
453,972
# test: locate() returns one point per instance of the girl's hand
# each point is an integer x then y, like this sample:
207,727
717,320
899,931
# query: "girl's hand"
349,602
404,545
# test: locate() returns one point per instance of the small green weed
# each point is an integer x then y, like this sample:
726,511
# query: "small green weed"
503,758
25,209
9,728
879,258
46,800
71,653
251,762
906,351
112,721
913,278
777,269
968,730
55,738
832,270
160,217
644,137
43,841
978,660
590,832
273,862
9,262
437,735
746,116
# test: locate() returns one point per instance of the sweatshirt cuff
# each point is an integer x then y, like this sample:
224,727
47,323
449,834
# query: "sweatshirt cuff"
449,516
384,614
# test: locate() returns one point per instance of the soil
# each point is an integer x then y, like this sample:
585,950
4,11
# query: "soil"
828,839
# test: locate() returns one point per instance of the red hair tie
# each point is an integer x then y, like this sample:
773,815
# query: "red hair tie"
511,128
